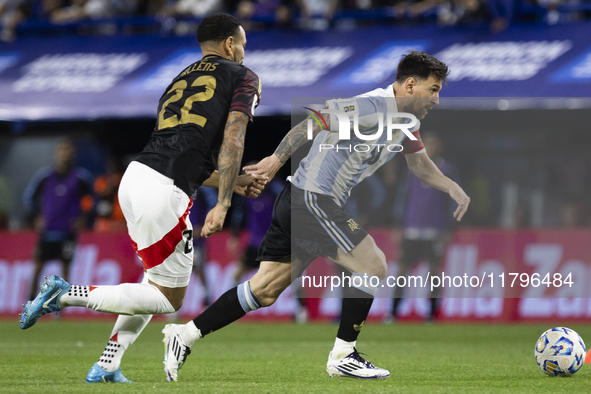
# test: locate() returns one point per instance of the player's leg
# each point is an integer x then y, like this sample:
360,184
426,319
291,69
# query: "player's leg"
435,250
67,249
273,276
410,255
261,290
127,329
368,266
156,213
38,262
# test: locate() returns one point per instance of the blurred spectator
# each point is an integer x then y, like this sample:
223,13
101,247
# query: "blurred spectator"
414,9
281,10
58,199
109,216
12,12
501,14
453,12
428,223
478,187
6,203
574,213
94,9
552,15
195,8
317,14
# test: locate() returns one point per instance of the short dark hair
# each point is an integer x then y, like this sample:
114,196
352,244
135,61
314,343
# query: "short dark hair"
420,64
217,27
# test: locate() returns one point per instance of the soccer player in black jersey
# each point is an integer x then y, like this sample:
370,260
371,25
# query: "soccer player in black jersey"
201,123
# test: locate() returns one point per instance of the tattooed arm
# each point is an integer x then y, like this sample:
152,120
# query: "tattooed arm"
228,167
292,141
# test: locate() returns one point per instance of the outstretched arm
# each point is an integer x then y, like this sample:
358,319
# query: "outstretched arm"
424,168
228,166
292,141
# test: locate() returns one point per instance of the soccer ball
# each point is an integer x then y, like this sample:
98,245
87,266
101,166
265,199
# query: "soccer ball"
560,351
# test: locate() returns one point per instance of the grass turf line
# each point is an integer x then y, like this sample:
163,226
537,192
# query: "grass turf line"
282,358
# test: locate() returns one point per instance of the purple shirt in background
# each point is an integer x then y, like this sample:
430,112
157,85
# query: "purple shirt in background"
57,198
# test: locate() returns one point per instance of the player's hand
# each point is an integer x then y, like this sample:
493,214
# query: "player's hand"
268,167
250,185
214,222
459,195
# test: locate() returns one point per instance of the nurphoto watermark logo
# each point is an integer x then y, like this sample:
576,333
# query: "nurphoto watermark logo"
373,129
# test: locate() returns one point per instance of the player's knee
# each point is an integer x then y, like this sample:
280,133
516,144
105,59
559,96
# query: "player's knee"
379,267
176,304
267,297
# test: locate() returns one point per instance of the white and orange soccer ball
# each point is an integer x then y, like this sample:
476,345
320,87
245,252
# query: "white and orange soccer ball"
560,351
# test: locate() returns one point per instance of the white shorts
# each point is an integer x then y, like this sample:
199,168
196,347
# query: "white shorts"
157,216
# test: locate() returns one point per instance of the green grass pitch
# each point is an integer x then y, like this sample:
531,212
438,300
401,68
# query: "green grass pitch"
55,356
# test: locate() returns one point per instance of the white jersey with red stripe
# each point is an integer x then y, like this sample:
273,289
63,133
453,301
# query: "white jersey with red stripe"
334,166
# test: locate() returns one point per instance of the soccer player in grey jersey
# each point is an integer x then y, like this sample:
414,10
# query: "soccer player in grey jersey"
309,219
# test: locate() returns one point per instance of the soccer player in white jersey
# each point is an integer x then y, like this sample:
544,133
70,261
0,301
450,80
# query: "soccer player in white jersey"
309,219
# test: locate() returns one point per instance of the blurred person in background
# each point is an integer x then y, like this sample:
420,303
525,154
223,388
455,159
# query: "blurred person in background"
94,9
12,12
427,225
454,12
6,203
58,200
501,14
317,14
478,186
195,8
281,10
109,216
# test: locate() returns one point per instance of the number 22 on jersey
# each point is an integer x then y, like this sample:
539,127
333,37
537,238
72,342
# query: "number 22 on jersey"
186,117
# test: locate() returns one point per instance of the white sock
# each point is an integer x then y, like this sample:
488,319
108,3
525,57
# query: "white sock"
124,299
125,332
342,348
190,333
76,296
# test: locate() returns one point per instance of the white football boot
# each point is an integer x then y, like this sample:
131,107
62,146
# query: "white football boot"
354,366
175,351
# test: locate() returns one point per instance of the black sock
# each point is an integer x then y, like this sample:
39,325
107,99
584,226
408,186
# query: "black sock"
223,311
353,315
433,306
398,293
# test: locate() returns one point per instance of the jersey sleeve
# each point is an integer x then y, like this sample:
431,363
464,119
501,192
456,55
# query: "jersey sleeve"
247,94
368,110
411,146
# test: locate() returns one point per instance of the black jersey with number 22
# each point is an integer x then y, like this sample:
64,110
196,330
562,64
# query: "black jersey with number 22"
192,115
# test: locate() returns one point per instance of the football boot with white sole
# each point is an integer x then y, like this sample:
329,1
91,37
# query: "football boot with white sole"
354,366
175,351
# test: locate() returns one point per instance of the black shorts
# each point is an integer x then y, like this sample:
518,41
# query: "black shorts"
414,251
249,257
307,225
50,250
